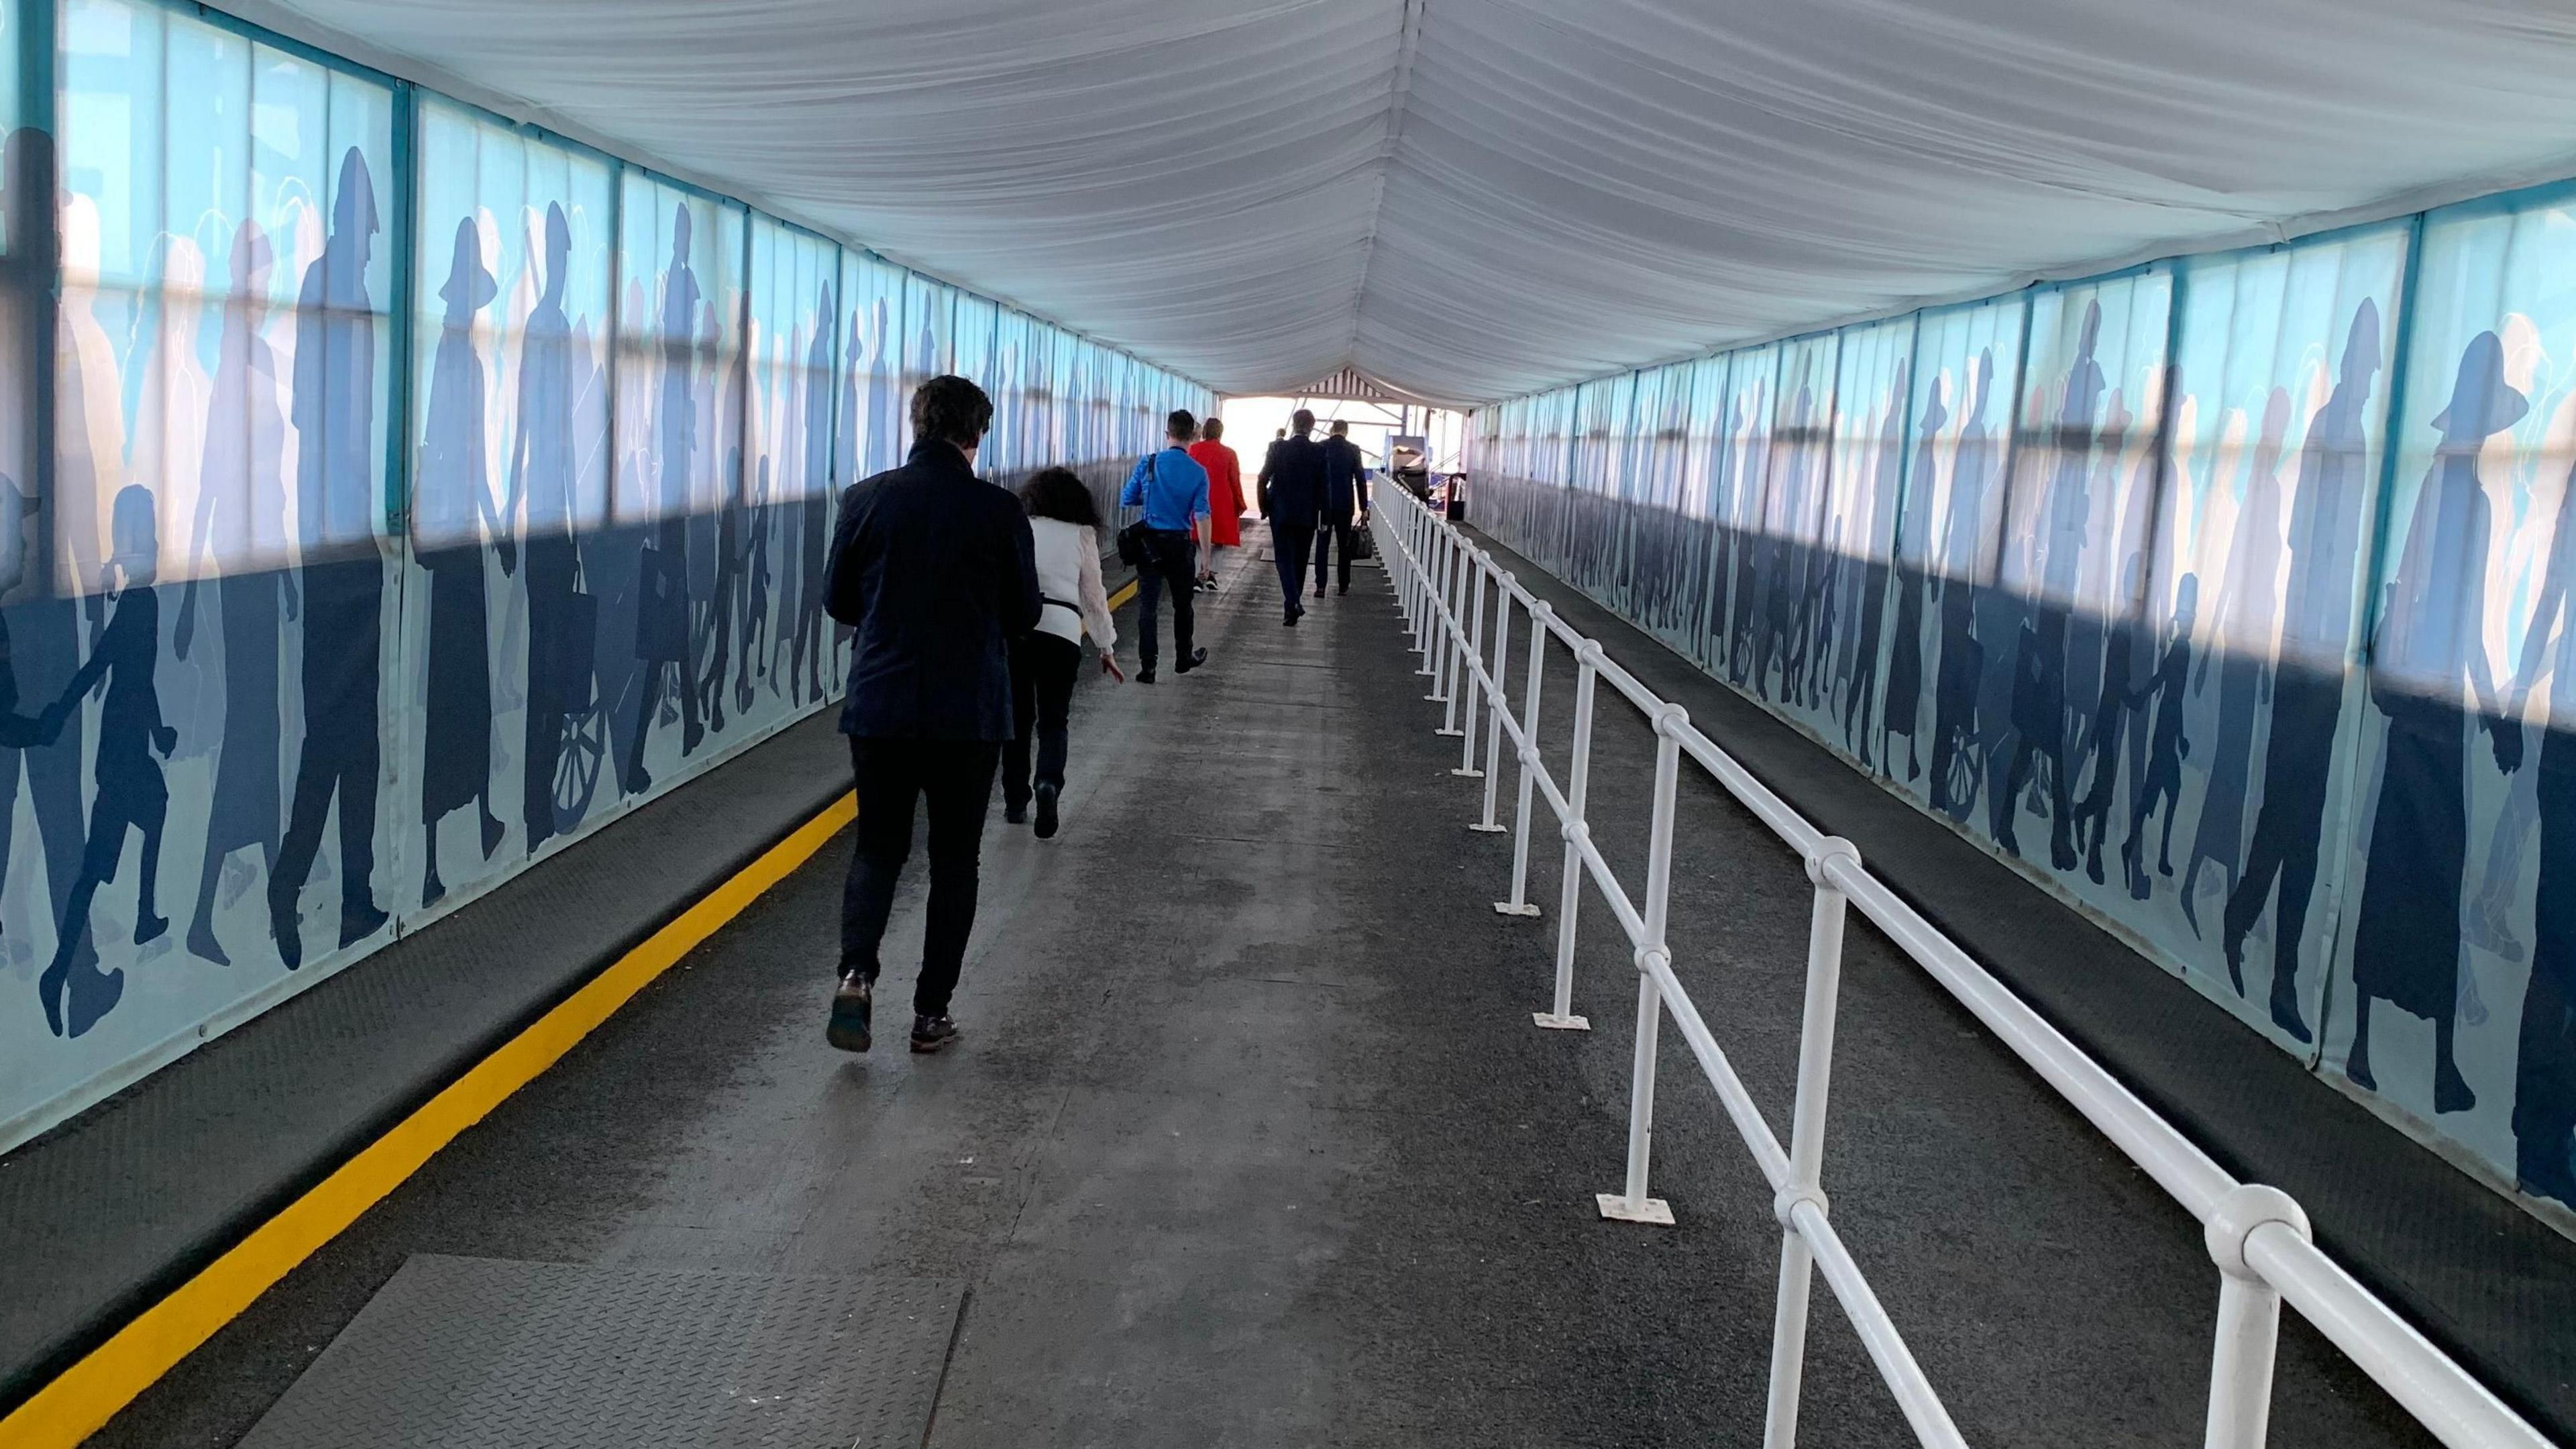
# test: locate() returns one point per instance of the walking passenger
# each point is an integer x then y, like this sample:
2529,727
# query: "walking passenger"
933,570
1292,498
1065,525
1173,490
1225,495
1346,497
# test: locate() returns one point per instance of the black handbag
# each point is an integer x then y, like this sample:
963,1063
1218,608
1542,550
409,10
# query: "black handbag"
1133,547
1135,550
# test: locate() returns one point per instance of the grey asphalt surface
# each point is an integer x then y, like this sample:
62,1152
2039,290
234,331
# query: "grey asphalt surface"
1251,1141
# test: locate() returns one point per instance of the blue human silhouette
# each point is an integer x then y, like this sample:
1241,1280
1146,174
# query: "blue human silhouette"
2432,641
40,628
541,472
334,416
240,539
454,504
662,596
1902,709
2334,493
131,794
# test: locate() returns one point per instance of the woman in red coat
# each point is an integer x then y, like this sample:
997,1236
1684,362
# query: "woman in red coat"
1225,495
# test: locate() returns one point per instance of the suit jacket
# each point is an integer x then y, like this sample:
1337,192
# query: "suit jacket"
934,569
1345,479
1292,479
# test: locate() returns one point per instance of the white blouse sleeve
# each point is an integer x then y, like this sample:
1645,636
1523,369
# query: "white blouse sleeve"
1095,598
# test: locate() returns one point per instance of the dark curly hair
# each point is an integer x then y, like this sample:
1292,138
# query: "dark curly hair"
1059,494
952,410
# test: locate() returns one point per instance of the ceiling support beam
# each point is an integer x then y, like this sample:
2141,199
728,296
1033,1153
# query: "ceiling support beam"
1408,45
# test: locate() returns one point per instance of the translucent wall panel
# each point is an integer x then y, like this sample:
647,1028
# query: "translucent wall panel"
509,476
772,553
1859,530
195,664
1744,442
971,340
871,351
2259,523
2452,995
284,669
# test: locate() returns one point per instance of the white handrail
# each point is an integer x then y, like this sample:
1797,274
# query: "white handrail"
2257,1236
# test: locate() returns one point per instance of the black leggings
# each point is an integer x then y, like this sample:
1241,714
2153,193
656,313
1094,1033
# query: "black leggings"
1043,667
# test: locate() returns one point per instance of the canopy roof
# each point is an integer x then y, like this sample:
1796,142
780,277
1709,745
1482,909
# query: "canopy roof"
1470,199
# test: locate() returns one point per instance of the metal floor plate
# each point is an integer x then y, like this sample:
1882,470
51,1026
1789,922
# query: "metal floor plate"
456,1352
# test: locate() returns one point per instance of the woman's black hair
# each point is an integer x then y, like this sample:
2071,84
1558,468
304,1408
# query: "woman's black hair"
1058,493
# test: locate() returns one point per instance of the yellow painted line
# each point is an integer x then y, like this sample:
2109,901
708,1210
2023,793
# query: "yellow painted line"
90,1392
1125,592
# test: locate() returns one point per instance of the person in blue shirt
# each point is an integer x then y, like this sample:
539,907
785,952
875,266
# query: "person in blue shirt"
1173,490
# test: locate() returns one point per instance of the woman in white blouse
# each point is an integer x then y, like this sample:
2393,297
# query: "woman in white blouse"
1065,524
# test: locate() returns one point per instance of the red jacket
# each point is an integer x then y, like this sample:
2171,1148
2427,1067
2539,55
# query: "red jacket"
1225,492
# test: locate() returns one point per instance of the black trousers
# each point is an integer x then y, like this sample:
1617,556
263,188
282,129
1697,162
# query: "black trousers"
1289,543
1325,538
892,775
1173,565
1043,667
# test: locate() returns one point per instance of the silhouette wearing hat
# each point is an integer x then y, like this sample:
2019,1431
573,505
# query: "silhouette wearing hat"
2432,637
455,507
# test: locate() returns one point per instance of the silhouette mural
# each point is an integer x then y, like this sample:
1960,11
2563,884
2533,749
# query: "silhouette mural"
244,599
2093,564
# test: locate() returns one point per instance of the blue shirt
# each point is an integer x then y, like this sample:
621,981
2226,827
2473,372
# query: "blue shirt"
1171,486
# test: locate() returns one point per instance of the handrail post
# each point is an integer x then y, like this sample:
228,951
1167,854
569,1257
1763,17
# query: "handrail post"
1433,588
1453,609
1569,896
1394,531
1463,687
1807,1139
2249,1316
1519,904
1633,1206
1409,597
1494,710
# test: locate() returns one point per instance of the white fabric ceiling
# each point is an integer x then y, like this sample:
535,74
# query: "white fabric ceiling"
1470,199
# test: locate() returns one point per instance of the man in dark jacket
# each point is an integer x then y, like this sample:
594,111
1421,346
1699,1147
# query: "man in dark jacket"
1292,498
934,570
1346,480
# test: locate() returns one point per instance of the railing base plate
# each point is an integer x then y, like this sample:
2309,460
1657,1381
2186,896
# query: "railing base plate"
1506,908
1469,774
1453,734
1655,1211
1554,1022
1482,829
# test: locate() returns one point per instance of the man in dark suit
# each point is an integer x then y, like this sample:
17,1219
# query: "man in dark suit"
934,570
1346,481
1292,498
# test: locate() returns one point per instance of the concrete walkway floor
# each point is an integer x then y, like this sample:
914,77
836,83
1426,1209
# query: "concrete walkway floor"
1250,1141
